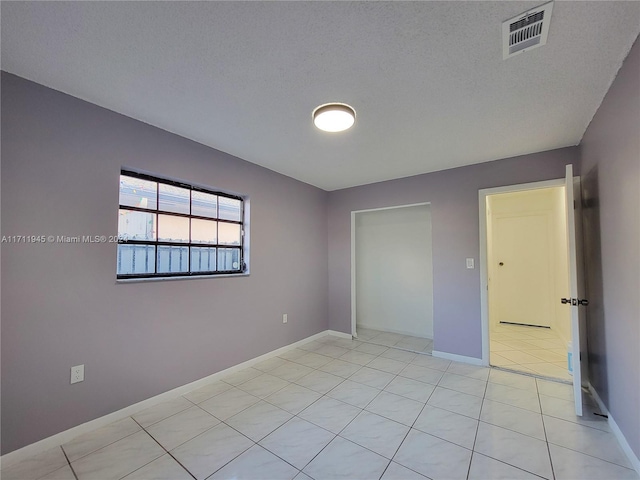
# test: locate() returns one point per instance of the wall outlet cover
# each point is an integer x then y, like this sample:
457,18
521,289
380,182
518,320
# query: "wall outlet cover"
77,374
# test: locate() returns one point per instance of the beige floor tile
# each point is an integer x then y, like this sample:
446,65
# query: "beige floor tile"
390,413
163,468
95,440
36,466
433,457
256,464
118,459
210,451
521,451
181,427
343,459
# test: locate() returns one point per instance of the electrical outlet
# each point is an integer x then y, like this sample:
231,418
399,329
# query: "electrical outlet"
284,318
77,374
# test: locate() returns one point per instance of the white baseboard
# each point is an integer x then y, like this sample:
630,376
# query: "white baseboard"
335,333
386,329
633,458
458,358
63,437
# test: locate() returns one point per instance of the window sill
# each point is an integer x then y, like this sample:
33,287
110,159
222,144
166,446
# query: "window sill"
171,279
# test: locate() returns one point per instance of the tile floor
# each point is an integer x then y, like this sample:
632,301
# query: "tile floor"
335,408
529,349
396,340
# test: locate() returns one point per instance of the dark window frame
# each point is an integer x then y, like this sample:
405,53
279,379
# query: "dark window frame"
158,243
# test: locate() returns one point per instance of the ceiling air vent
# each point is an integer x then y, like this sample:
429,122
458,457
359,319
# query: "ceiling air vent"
526,31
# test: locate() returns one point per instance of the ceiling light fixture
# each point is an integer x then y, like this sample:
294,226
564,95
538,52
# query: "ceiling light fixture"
334,117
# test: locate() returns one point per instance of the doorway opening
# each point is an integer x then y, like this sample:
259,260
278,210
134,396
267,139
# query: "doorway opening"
392,277
527,272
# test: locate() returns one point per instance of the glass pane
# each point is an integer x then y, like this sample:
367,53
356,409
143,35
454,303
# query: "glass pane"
173,259
134,225
229,209
228,259
204,204
173,229
203,259
136,259
228,233
173,199
135,192
203,231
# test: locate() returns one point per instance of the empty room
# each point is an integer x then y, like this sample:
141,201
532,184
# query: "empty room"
320,240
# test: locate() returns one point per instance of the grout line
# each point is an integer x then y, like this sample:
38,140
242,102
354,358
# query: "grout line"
167,451
164,449
409,431
180,463
361,409
475,437
103,446
544,429
68,462
236,456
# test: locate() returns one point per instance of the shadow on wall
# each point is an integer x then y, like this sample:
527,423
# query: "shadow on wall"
593,283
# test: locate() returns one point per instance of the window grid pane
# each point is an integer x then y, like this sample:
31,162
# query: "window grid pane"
203,259
204,204
135,225
204,231
136,192
229,233
173,259
160,234
228,259
172,228
230,209
136,259
173,199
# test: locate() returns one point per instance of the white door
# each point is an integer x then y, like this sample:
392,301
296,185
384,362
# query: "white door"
523,279
576,283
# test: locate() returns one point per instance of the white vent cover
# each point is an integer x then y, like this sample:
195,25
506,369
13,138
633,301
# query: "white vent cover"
526,31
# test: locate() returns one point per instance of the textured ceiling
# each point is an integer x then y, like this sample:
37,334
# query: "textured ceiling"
427,79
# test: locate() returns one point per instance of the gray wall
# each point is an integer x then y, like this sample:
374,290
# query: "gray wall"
610,151
455,231
61,306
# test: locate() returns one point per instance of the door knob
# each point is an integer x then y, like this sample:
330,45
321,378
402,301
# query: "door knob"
501,263
574,301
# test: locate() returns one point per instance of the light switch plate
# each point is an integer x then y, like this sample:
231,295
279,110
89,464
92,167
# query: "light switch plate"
470,263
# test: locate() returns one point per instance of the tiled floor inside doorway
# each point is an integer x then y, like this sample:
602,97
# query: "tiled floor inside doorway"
538,351
395,340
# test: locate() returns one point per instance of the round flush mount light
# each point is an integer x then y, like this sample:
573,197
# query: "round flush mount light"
334,117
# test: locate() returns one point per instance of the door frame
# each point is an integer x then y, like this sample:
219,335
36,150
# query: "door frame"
354,333
484,270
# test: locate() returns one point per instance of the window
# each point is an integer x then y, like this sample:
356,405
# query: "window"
171,229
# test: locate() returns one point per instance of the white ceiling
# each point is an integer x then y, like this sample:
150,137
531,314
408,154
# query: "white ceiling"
427,79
